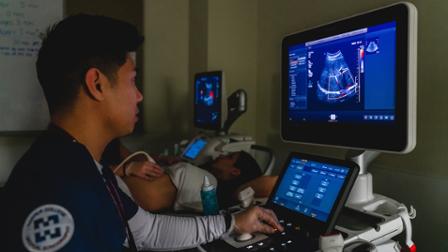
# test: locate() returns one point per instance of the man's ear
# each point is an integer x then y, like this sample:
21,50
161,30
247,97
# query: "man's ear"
235,172
94,84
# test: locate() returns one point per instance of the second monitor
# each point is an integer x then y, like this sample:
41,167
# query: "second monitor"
208,100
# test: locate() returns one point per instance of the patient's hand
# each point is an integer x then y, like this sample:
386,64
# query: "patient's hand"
257,219
144,169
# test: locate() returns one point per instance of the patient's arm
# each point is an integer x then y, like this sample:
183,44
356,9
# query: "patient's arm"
262,186
143,169
155,195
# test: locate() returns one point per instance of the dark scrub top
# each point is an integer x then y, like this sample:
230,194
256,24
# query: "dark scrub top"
56,176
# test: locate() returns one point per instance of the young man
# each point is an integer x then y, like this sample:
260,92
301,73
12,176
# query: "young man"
59,197
179,186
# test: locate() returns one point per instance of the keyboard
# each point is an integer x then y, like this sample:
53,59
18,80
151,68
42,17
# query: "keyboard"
291,239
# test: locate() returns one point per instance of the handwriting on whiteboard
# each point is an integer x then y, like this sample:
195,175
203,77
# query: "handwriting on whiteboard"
19,31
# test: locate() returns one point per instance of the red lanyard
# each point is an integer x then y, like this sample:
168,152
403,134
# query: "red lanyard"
120,208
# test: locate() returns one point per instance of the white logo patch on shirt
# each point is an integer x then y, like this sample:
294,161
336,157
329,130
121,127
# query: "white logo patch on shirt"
47,228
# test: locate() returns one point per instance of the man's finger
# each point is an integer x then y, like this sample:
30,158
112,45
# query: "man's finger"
264,228
272,214
158,172
151,174
156,167
151,167
270,218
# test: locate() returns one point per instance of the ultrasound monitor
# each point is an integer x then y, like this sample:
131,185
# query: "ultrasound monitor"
208,100
352,83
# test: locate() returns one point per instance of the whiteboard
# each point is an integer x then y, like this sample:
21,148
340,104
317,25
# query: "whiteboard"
22,23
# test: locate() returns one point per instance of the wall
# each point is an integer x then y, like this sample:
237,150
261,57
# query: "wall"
232,47
186,37
166,70
418,178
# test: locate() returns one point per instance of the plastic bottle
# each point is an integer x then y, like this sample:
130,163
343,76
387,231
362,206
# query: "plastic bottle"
208,197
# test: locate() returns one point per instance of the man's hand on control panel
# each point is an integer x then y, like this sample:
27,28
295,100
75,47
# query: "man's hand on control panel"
257,219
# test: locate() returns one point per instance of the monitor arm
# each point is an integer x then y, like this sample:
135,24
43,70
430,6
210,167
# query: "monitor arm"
236,106
362,158
363,189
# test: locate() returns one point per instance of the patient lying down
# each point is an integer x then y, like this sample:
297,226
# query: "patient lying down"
178,186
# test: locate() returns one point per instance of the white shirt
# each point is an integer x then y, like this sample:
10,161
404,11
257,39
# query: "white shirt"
165,232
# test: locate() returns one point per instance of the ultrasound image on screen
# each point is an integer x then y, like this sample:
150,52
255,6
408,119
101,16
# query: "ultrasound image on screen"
206,94
208,100
337,79
348,77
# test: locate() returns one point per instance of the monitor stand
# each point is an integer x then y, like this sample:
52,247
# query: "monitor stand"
362,191
373,217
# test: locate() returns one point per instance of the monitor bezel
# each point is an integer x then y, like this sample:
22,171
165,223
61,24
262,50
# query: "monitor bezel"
310,224
209,126
393,137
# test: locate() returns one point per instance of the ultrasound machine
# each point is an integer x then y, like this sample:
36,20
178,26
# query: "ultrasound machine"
215,114
352,84
348,84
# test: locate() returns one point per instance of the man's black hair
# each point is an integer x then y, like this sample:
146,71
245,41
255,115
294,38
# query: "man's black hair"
76,44
248,166
249,169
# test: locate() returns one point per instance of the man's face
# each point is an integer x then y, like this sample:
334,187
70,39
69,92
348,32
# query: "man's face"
123,99
224,167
